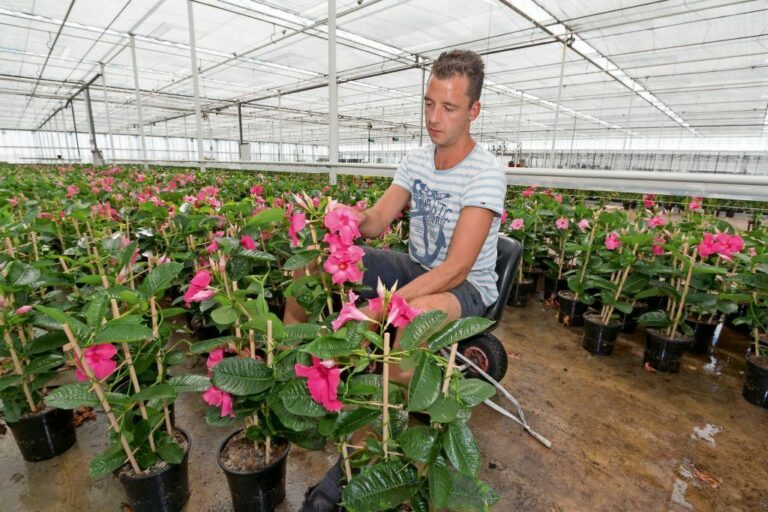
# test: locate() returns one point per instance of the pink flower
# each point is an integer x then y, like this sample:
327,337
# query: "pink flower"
214,358
13,201
583,225
558,198
344,221
648,200
212,247
729,244
334,243
752,252
612,241
198,286
707,246
218,398
322,381
528,192
400,312
248,243
23,310
72,191
658,246
695,204
561,223
343,265
657,221
504,216
315,202
298,222
349,312
99,359
517,224
257,190
361,205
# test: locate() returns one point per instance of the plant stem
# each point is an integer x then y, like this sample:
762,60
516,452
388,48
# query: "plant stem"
385,397
268,446
679,313
586,258
328,298
19,369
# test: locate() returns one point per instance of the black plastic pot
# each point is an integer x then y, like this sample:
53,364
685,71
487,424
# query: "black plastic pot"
599,338
629,322
44,435
535,275
552,286
256,491
703,332
756,381
571,313
663,353
742,329
166,490
521,291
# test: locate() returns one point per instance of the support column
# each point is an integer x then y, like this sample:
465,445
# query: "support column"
95,154
559,94
518,144
279,126
421,101
195,85
106,111
333,95
74,125
65,134
138,101
573,136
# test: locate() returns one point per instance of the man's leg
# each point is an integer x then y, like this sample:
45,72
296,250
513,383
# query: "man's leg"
294,313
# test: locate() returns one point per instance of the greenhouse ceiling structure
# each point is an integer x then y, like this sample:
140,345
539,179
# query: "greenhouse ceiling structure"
561,76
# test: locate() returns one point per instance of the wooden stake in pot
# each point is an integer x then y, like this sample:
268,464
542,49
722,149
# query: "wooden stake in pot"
385,397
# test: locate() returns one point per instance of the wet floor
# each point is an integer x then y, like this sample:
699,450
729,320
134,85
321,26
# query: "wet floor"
624,439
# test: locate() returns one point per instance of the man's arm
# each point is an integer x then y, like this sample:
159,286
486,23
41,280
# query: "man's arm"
375,220
467,241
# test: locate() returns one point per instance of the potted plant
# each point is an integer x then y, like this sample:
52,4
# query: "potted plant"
524,285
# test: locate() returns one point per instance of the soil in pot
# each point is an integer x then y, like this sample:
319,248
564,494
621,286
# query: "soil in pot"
571,313
552,286
756,380
521,291
162,487
44,434
254,485
664,353
599,338
703,332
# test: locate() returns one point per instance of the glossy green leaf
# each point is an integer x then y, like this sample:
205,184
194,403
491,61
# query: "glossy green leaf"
380,487
421,328
242,376
418,442
474,391
295,397
460,447
458,330
160,278
424,387
190,383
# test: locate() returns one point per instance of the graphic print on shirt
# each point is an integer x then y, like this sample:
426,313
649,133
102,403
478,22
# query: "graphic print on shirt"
428,217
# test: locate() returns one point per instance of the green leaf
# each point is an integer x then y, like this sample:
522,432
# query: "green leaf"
97,310
260,324
300,260
444,410
418,442
265,217
623,307
421,328
225,315
329,347
201,347
654,319
175,358
123,330
349,421
291,421
160,278
214,418
300,332
380,487
7,381
296,399
107,461
474,391
424,387
190,383
45,343
703,268
160,391
22,274
79,329
458,330
169,450
470,494
256,255
439,480
461,449
43,363
125,256
242,376
309,440
757,281
72,396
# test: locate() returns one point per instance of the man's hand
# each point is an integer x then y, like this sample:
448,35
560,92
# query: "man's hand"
376,219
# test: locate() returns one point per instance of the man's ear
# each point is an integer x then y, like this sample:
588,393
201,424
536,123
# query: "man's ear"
474,111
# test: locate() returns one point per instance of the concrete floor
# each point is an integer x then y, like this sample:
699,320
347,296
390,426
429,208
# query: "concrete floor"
623,439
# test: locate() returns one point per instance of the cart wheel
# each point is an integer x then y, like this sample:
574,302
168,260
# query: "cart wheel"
486,351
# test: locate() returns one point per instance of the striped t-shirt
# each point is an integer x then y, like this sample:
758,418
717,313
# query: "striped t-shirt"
437,198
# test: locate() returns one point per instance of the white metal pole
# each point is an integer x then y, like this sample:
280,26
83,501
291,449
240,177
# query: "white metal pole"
559,93
279,126
138,100
106,111
195,85
333,95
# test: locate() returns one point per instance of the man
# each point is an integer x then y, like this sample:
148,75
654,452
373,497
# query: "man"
456,190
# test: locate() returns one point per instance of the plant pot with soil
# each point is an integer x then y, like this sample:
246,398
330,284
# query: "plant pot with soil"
599,337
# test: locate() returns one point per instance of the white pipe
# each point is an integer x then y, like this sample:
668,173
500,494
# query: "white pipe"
195,86
333,94
138,99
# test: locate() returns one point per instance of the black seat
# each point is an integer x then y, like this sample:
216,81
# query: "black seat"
508,257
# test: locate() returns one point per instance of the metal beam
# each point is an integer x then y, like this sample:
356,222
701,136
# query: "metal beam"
333,95
195,85
106,110
142,142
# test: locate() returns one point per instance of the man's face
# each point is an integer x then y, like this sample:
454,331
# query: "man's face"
448,110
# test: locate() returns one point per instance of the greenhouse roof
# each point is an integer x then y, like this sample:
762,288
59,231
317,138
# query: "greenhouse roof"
648,69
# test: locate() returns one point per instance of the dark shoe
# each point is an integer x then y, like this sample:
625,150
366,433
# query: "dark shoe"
325,496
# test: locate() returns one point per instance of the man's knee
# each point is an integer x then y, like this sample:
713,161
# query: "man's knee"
445,302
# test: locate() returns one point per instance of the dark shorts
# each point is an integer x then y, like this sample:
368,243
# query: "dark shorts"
391,266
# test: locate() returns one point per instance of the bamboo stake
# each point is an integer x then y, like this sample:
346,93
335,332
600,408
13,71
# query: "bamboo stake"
385,397
328,298
35,252
238,332
102,398
156,335
679,313
586,257
268,443
19,369
9,247
449,369
345,457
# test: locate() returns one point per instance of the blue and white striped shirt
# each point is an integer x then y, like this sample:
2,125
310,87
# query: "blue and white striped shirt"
437,197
